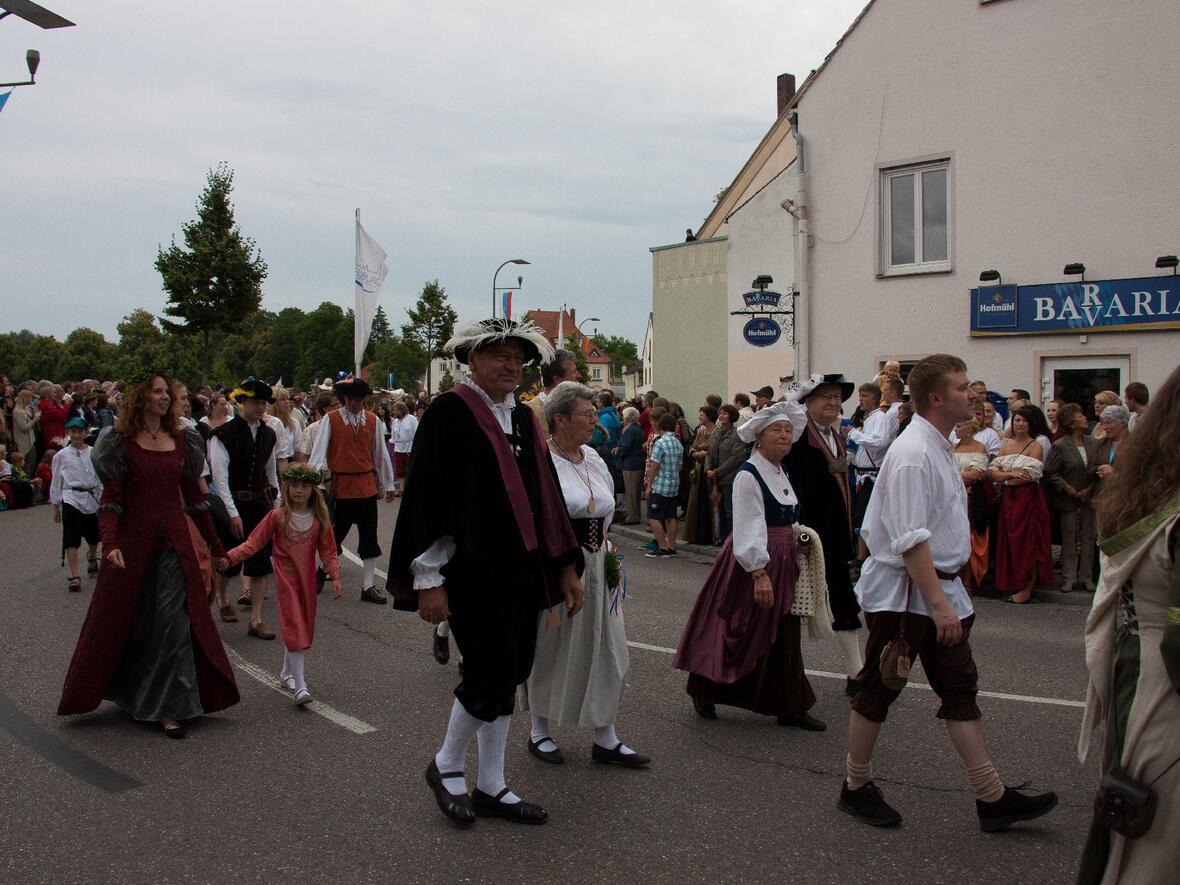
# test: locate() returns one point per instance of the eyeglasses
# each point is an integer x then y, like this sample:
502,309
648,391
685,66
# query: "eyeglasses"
587,413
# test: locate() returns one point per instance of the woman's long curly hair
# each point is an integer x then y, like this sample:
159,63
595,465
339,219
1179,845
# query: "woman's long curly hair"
133,403
1147,475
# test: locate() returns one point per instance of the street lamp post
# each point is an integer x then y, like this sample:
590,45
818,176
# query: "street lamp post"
496,274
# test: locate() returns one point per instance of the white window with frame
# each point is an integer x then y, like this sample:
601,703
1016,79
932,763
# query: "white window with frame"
915,219
596,373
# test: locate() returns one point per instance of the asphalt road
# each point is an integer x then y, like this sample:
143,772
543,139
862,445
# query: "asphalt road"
266,792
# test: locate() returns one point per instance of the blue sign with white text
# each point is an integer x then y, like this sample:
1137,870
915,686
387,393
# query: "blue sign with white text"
1144,303
762,332
762,299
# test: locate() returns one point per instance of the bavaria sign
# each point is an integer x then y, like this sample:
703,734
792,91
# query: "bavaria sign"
762,299
1144,303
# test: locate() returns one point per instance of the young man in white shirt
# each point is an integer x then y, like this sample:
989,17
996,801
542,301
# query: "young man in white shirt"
872,441
74,493
918,538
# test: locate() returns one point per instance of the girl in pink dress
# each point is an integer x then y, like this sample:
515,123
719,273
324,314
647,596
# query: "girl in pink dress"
298,529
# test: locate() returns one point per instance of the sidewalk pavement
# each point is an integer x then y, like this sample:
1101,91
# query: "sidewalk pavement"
642,534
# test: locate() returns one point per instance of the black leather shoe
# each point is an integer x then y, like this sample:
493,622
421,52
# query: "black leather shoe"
851,687
705,711
372,594
554,756
441,648
1011,808
517,812
616,756
867,805
802,720
457,808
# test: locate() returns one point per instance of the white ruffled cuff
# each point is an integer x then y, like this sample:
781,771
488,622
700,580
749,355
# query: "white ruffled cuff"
908,541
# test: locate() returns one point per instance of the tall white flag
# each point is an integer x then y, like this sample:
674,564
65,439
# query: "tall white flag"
370,274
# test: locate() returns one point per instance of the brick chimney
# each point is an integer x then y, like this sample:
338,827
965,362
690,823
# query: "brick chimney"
786,91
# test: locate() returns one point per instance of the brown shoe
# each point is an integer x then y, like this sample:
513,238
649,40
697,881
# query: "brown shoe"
229,614
259,631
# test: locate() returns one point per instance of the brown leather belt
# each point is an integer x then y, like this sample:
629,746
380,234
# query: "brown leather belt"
264,495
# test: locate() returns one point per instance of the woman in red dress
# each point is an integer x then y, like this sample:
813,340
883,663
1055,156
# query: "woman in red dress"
1024,558
149,643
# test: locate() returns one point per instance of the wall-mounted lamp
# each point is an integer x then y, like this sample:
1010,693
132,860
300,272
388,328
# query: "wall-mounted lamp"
1072,270
989,275
1167,261
761,282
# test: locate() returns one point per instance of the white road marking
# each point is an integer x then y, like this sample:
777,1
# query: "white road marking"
1001,695
356,726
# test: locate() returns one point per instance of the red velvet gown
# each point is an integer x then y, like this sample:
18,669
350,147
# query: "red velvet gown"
142,512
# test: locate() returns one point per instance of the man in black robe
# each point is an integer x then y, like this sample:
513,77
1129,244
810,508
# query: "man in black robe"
484,541
818,468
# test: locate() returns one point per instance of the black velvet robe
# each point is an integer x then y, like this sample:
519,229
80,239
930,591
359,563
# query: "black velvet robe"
502,506
824,505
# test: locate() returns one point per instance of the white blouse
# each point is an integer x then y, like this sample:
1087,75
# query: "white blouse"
1020,462
581,482
749,510
970,461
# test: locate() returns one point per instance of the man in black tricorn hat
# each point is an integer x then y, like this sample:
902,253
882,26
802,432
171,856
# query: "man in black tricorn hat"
351,445
763,397
483,539
818,468
242,463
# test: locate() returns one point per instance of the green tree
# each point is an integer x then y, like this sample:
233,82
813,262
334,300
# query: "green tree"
325,337
141,345
216,280
280,346
572,345
381,330
29,357
622,353
403,359
432,322
86,354
446,381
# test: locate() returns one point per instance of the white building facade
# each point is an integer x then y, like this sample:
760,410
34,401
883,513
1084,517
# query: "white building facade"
941,140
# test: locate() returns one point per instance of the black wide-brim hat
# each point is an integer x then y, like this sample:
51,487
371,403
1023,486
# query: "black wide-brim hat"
352,387
252,388
766,391
537,348
801,390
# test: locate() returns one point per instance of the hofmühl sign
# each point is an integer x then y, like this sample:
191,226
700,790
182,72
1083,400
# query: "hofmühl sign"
1139,304
762,332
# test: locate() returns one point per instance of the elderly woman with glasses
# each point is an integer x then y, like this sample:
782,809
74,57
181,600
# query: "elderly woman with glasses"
741,646
580,663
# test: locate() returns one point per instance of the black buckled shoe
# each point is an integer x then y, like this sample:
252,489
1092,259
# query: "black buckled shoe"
372,594
867,805
554,756
518,812
802,720
457,808
1012,808
705,711
617,757
441,648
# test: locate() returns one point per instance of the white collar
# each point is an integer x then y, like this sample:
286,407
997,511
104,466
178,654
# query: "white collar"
509,401
932,431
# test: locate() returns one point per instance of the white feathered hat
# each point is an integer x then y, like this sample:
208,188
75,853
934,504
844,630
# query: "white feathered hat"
781,411
479,335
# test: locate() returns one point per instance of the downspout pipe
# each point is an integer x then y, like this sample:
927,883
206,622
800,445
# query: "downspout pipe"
802,235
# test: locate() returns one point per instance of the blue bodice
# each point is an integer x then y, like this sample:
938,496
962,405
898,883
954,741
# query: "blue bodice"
777,514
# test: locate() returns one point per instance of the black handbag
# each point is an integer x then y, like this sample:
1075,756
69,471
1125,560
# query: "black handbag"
1125,805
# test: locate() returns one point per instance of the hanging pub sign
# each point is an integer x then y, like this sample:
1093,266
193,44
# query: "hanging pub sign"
762,332
762,299
1131,305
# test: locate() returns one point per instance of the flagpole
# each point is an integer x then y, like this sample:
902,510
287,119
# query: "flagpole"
356,314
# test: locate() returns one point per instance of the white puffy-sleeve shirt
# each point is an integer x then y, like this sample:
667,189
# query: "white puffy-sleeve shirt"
919,497
749,510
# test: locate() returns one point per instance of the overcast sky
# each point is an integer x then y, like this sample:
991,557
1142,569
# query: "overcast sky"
466,133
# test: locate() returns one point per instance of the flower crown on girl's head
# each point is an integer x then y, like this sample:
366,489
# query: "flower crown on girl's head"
301,473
